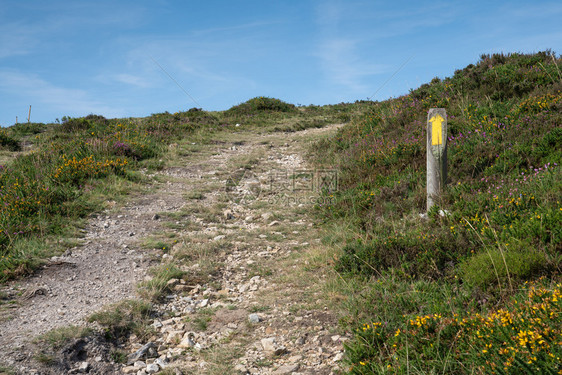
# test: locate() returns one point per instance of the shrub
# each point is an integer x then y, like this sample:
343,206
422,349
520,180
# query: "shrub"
497,267
262,104
8,142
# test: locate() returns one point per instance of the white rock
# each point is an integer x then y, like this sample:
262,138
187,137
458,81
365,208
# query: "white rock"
241,368
152,368
443,213
268,344
254,318
84,367
286,369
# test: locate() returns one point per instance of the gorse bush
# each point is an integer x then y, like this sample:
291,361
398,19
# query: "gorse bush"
523,337
499,225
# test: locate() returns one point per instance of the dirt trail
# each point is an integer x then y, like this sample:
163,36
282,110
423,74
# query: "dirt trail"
260,310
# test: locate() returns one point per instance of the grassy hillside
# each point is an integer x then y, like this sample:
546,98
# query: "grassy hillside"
54,175
476,288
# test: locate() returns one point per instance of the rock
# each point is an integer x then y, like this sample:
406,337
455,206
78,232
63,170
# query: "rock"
443,213
174,337
152,368
295,358
84,367
182,288
139,365
266,216
286,369
219,237
204,303
241,368
144,350
254,318
242,288
187,341
128,370
338,357
270,346
227,214
155,217
162,362
273,223
172,282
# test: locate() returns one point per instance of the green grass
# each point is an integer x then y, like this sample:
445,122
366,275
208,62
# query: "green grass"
58,337
413,286
124,318
157,286
74,167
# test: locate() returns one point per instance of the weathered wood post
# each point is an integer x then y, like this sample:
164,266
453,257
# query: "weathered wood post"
436,154
29,115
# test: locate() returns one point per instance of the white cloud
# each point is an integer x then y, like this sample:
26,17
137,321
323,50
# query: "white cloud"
341,64
131,79
15,39
41,93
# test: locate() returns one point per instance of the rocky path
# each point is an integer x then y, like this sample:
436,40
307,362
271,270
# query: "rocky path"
236,215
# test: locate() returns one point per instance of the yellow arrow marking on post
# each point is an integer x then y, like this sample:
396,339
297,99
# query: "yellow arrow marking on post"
436,130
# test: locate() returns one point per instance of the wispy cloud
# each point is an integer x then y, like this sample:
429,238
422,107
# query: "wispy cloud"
15,39
130,79
340,54
42,93
342,65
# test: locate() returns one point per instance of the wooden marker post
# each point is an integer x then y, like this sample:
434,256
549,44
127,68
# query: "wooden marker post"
436,154
29,115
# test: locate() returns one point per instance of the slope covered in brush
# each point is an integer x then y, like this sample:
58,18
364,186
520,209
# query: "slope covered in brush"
500,229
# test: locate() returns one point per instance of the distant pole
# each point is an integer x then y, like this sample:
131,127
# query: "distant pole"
29,114
16,119
436,154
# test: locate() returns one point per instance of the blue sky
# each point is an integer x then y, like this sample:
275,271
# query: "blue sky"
74,58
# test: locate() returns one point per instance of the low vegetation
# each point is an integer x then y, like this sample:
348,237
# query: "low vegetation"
70,169
475,287
124,318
